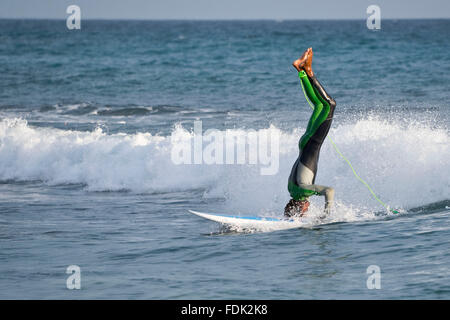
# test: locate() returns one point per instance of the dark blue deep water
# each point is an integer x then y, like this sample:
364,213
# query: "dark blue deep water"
89,119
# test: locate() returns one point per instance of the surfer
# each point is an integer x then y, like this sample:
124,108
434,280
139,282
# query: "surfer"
301,184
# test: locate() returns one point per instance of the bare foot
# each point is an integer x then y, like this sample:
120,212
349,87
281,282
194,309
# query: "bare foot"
298,64
308,63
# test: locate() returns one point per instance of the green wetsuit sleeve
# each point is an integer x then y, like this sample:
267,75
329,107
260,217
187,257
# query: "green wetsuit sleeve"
319,113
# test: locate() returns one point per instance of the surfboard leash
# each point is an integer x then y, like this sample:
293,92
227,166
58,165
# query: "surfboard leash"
349,163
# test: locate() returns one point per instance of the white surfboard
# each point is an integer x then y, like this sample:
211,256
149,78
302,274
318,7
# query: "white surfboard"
255,223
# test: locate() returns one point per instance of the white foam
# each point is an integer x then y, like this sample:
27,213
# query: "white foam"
406,165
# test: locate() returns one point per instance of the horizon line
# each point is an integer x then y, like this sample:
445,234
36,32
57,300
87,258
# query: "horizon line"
222,19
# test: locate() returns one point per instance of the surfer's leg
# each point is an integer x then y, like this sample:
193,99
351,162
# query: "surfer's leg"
319,124
323,112
318,116
328,103
323,96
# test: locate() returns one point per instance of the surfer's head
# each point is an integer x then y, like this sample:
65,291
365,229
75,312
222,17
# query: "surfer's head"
296,208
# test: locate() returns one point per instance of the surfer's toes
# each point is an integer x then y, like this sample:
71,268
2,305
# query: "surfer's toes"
298,64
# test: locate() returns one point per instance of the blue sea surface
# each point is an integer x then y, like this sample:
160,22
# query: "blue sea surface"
89,119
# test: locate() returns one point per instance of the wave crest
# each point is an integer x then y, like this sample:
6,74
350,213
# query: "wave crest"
407,166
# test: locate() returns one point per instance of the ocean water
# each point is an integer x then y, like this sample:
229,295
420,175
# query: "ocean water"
89,119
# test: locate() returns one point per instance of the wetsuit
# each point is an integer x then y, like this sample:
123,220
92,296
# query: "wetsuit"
301,180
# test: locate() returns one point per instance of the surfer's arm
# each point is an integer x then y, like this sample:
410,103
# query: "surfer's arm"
315,189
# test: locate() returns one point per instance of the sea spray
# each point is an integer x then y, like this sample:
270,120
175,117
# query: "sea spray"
228,147
405,164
